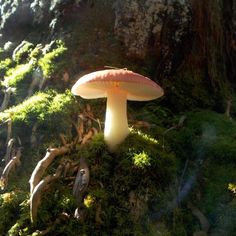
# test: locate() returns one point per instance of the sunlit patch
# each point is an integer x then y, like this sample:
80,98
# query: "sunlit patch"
89,201
144,136
141,160
7,197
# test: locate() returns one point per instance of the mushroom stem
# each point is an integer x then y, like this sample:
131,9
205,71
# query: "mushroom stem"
116,124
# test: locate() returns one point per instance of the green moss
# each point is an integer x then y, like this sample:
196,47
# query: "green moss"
140,166
205,134
178,224
10,209
207,142
217,177
30,110
50,110
36,52
53,61
141,160
23,53
5,65
188,90
16,75
232,188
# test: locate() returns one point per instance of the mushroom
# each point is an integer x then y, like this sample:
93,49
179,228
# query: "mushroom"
118,85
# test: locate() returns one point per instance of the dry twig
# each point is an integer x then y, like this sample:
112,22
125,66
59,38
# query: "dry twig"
44,163
36,195
9,151
205,226
11,165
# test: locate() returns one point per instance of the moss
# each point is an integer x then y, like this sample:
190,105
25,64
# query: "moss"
53,61
178,224
10,209
189,89
19,77
232,187
5,65
216,180
30,110
22,55
224,224
205,134
50,110
16,75
207,142
36,53
140,166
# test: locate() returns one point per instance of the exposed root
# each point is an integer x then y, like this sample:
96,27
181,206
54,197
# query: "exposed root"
12,164
205,226
84,133
44,163
228,108
9,130
63,217
89,135
177,126
9,151
33,138
36,195
38,81
89,117
63,139
6,99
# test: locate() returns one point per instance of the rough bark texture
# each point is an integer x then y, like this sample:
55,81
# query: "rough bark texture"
190,44
138,23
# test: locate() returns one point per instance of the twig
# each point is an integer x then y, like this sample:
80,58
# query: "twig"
35,198
44,163
63,140
9,150
63,216
205,226
228,108
33,139
182,175
12,164
89,135
6,100
9,130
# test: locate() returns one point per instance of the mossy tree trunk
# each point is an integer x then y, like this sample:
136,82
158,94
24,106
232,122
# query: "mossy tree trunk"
203,72
187,46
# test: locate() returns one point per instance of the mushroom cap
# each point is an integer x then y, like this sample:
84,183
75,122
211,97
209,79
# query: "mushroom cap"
136,86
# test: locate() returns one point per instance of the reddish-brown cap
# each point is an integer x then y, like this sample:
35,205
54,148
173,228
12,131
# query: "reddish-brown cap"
137,87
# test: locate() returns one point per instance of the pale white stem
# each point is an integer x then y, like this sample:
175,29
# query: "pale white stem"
116,124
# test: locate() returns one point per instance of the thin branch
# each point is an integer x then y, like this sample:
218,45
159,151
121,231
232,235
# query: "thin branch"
9,130
9,150
205,226
44,163
36,195
11,165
